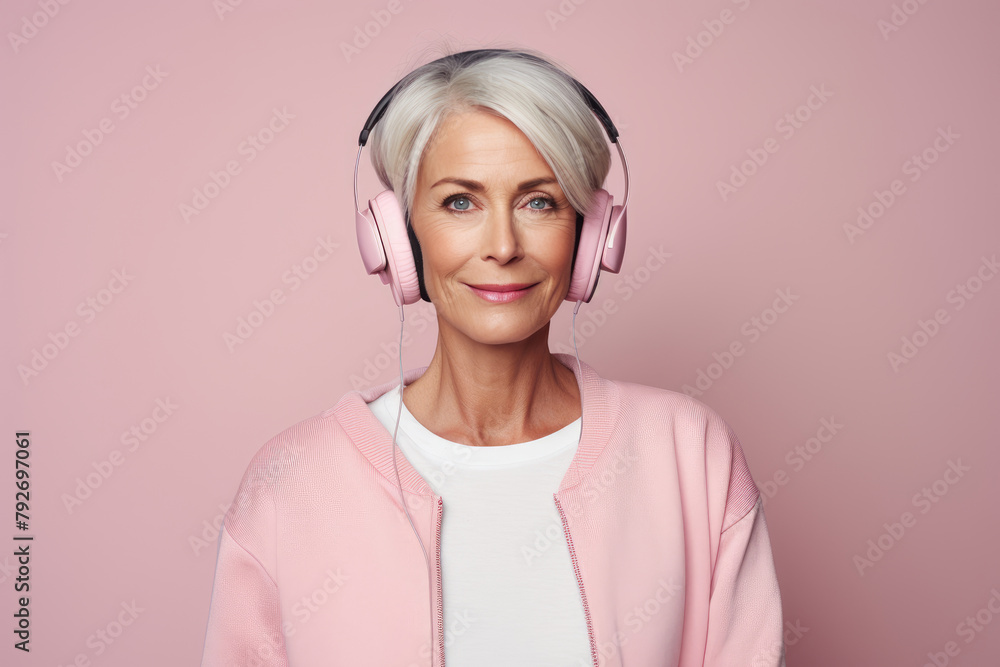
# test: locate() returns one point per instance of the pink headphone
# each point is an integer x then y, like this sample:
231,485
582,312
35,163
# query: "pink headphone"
387,250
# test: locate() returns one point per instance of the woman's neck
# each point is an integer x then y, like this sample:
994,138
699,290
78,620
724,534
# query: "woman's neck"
494,395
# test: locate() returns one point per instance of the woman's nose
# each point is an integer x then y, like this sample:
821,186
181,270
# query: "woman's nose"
500,236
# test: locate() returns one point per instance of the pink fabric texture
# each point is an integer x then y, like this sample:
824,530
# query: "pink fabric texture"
318,565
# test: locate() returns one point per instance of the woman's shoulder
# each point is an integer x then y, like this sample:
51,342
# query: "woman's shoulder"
708,449
703,441
289,471
308,445
665,403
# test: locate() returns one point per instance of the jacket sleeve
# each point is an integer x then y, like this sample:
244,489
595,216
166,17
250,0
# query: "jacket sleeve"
244,619
745,619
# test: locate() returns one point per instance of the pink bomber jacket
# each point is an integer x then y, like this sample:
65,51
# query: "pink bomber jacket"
318,565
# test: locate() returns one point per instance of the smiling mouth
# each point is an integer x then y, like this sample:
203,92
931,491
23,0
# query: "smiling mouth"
509,287
501,293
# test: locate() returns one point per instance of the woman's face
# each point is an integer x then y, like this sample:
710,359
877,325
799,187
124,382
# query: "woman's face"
488,211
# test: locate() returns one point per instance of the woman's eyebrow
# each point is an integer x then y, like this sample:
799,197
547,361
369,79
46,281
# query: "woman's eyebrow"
476,186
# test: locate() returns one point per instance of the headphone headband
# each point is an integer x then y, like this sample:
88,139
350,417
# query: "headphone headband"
469,57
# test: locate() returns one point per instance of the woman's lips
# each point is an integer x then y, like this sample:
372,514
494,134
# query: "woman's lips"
497,296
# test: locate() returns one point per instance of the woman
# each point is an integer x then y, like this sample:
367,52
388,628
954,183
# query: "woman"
568,519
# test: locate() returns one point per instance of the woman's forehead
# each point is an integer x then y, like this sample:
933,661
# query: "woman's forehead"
476,145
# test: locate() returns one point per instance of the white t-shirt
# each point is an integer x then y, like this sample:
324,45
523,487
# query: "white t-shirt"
510,591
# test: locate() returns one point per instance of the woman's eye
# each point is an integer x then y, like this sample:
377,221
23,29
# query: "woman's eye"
464,204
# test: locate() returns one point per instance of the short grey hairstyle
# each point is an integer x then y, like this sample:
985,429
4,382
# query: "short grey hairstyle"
521,85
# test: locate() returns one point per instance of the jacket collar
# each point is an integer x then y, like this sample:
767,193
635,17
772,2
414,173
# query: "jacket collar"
600,409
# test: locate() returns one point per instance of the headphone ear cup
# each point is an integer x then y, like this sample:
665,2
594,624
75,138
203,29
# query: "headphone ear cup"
400,272
590,254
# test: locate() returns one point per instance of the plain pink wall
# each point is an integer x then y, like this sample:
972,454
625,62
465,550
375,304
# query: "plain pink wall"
892,77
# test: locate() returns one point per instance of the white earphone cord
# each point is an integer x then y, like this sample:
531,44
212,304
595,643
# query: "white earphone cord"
399,412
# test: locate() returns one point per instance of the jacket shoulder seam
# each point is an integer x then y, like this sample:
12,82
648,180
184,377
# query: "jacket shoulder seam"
236,541
752,509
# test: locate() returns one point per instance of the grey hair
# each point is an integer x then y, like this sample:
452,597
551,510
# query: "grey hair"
539,98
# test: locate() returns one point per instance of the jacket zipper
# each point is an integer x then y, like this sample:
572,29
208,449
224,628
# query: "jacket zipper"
579,581
440,600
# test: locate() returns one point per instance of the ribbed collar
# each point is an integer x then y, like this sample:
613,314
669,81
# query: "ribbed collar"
600,409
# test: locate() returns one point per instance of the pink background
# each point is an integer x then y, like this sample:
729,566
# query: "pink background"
161,336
